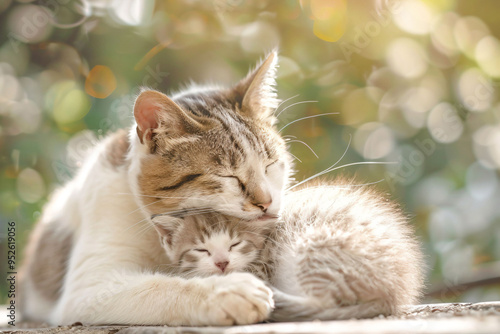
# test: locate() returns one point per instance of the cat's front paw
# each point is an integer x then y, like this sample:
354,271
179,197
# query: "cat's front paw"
238,299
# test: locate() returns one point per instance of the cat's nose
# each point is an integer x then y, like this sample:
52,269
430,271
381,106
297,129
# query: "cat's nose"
222,265
261,197
264,206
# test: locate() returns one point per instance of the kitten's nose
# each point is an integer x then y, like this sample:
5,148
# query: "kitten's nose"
222,265
264,206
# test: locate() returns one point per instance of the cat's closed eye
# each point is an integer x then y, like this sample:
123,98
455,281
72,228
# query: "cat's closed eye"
203,251
274,166
234,245
240,183
271,164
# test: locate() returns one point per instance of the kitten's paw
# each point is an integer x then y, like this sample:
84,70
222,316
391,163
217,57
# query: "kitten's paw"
238,299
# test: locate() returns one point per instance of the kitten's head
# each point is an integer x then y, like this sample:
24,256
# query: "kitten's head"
213,148
211,244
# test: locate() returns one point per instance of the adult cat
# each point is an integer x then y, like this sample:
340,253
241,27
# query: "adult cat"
90,259
93,256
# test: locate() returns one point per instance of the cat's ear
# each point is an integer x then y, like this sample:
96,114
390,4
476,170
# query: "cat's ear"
259,98
166,228
153,109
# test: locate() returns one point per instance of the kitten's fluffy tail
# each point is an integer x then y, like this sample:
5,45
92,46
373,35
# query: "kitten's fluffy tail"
289,307
345,253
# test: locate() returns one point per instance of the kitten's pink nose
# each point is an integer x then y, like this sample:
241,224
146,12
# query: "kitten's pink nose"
222,265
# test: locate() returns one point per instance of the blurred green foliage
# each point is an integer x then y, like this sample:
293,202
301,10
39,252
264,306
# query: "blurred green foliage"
414,83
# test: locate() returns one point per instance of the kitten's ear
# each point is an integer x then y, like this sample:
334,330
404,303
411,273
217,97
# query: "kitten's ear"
258,89
166,228
153,109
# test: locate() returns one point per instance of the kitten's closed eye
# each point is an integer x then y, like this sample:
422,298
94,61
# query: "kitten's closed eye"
203,251
234,245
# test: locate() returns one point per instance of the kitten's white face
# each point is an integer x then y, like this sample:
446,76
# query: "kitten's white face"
218,254
211,244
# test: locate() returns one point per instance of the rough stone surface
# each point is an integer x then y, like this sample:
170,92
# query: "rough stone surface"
431,318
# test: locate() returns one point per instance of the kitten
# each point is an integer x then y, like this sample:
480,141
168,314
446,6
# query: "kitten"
214,244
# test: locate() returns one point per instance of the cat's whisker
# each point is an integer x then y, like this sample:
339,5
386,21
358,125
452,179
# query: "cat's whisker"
144,229
133,225
335,164
295,157
284,101
307,117
143,220
185,211
294,104
166,197
301,142
347,186
166,213
194,213
143,206
343,166
342,186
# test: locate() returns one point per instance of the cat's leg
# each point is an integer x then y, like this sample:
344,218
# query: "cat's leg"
156,299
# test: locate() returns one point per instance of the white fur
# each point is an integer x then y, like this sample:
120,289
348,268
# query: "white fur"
110,275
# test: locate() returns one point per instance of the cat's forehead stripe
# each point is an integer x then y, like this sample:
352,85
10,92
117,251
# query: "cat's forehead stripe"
232,123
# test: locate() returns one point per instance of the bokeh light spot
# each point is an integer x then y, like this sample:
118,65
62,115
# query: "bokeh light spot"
30,186
329,19
488,56
487,146
444,123
259,36
30,23
26,116
481,182
373,140
132,12
468,32
329,30
325,9
68,103
10,89
475,90
406,58
414,17
415,103
100,82
442,34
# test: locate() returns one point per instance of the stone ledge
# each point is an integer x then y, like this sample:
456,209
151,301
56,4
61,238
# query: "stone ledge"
483,318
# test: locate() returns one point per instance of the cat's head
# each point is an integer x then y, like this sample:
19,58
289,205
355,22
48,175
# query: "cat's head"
212,148
211,244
